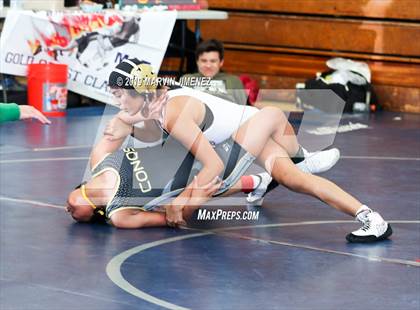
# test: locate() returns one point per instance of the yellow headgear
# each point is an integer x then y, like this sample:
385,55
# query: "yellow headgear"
143,78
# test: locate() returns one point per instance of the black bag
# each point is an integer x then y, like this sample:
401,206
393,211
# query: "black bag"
349,93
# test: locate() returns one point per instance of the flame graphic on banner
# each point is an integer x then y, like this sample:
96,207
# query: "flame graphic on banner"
70,28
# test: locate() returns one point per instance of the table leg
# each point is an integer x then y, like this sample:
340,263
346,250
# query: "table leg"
183,47
197,31
3,84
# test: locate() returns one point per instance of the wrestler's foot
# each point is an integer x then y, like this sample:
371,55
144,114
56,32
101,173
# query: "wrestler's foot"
255,197
319,162
374,228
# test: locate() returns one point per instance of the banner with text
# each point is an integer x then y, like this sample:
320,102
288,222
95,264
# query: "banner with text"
90,44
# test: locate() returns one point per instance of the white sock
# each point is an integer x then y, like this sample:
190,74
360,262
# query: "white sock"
305,152
260,178
361,214
266,177
256,180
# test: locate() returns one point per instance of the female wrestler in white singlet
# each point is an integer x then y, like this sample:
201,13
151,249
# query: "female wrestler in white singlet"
196,120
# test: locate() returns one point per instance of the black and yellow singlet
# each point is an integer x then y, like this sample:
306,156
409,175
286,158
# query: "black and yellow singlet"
148,177
145,173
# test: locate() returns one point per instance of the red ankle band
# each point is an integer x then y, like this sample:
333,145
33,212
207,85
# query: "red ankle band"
247,184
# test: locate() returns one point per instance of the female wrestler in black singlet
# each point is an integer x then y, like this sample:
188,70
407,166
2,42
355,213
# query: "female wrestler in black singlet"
133,180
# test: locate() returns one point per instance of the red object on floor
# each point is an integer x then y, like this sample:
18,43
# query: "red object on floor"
47,88
251,87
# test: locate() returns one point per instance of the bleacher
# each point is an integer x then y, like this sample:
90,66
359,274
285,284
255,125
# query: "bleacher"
281,43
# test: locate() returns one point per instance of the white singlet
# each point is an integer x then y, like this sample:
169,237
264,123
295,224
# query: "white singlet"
228,116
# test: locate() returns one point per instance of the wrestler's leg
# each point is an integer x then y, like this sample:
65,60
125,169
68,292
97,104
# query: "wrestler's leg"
268,122
257,130
282,169
277,162
284,135
271,123
257,137
274,158
236,188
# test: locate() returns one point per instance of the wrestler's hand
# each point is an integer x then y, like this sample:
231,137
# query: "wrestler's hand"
153,111
117,129
200,194
174,215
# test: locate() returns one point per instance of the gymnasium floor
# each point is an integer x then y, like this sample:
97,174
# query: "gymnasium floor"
294,257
